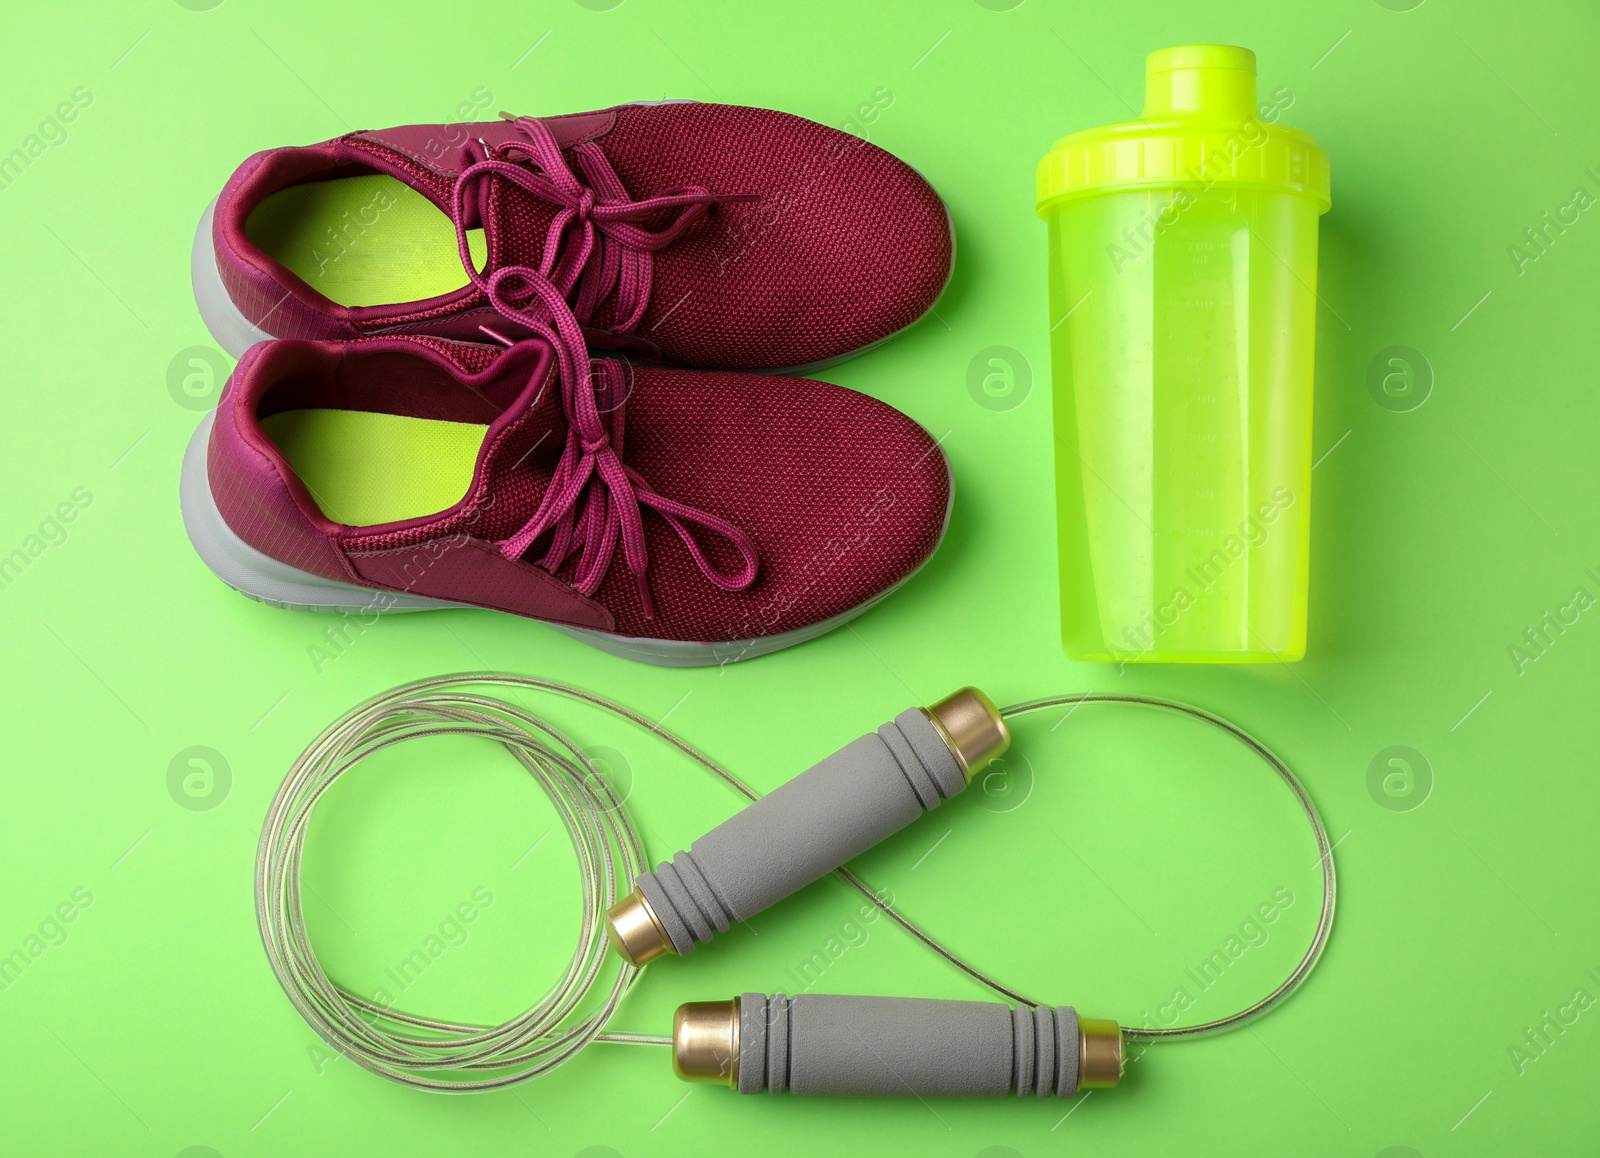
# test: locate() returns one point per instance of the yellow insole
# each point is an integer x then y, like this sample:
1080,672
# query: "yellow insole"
363,241
365,468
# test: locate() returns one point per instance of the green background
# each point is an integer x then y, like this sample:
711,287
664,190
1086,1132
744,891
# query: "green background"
1454,509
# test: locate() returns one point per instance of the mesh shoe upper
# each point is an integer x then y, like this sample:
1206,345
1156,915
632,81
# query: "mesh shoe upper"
841,246
841,495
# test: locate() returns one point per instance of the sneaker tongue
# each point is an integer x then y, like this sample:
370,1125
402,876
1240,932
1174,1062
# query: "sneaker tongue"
523,446
438,148
516,225
430,157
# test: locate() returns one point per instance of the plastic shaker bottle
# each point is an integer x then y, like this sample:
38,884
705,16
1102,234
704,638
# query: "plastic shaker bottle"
1183,269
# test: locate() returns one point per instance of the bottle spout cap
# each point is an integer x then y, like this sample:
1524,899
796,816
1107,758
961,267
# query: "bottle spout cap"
1209,82
1201,130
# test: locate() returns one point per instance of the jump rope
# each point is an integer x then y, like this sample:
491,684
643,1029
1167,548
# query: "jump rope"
806,828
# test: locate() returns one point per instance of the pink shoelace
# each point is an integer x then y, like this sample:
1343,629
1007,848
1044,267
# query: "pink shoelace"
595,500
597,241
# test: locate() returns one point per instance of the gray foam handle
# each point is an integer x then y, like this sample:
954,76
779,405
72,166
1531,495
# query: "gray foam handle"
866,791
905,1047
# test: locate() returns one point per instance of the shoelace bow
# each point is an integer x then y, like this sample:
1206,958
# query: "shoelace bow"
594,499
593,214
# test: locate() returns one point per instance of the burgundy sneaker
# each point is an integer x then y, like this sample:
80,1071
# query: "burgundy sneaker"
700,234
673,516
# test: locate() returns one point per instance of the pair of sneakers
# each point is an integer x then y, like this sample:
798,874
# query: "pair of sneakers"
528,365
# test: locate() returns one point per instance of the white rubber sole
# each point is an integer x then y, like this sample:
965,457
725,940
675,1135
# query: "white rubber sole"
234,332
261,577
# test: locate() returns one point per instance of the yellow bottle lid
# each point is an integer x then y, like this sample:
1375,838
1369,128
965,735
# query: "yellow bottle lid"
1200,128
